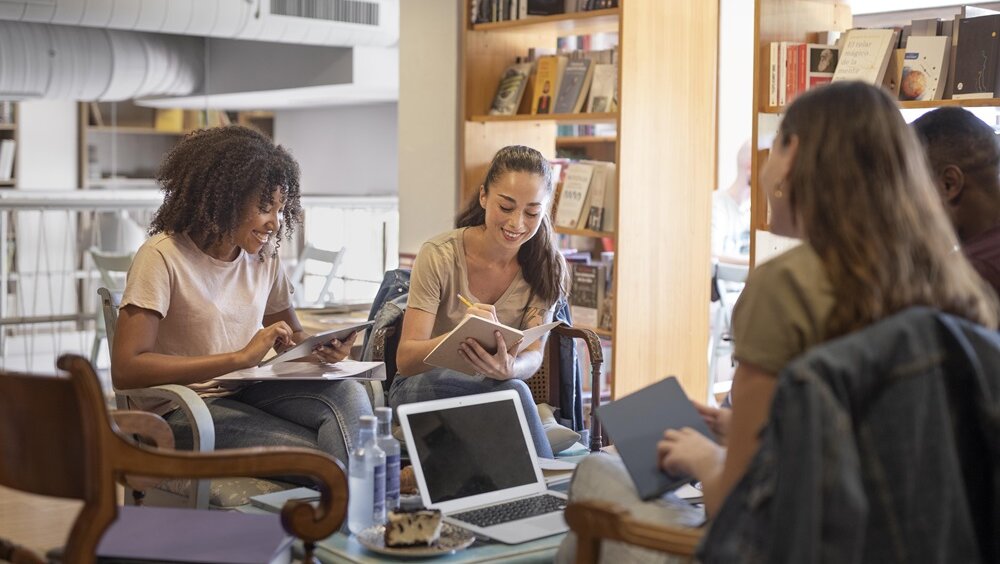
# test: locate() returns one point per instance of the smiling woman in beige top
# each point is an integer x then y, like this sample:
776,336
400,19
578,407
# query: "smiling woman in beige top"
206,295
503,259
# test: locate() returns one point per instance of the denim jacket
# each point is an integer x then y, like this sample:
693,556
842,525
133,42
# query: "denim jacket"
882,446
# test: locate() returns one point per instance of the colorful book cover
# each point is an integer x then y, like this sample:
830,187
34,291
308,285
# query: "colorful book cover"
573,195
821,61
924,68
511,89
865,55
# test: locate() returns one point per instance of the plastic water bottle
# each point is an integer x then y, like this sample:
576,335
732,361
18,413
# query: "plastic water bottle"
367,480
390,445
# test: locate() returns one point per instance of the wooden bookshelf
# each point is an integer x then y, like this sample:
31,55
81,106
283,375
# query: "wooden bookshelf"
561,119
666,120
126,142
574,23
586,140
923,105
584,232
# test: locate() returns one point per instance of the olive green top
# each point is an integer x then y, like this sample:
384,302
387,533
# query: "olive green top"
783,310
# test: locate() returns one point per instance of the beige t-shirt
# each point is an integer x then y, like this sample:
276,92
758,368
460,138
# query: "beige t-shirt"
440,274
207,306
783,310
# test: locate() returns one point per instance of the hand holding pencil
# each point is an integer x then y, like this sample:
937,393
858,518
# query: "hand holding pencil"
486,311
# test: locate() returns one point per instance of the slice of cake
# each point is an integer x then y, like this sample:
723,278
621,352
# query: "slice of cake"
418,527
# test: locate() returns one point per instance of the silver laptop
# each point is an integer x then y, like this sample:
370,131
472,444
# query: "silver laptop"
474,460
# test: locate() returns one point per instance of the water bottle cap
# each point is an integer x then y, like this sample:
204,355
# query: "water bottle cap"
368,422
383,414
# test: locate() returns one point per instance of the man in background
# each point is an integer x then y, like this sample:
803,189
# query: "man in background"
731,215
964,157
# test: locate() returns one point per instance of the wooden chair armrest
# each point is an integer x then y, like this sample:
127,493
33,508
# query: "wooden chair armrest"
299,518
202,427
148,426
594,521
596,356
10,552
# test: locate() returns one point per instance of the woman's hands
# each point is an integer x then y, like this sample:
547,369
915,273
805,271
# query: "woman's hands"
689,453
335,351
277,335
486,311
717,419
499,366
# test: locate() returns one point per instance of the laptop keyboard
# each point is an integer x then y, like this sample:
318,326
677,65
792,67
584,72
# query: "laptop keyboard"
512,511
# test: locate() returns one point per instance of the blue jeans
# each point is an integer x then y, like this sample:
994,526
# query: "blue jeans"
441,383
320,415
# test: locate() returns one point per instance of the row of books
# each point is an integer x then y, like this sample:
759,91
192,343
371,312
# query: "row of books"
796,67
587,196
486,11
560,84
7,159
586,130
929,59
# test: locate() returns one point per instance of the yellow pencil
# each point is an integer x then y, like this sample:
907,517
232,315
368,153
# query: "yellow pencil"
464,301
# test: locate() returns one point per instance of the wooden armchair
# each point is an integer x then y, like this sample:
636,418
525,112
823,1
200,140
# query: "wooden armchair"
58,439
594,522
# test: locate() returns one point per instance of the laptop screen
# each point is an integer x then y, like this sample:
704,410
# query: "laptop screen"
471,450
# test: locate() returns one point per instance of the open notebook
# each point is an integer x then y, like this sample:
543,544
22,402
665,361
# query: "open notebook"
445,354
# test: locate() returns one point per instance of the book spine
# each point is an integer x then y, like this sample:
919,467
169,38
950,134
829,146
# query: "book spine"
782,72
772,93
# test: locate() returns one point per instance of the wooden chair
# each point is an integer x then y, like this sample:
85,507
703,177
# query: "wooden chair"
595,522
58,439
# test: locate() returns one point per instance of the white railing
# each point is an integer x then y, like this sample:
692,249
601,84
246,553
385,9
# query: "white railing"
48,284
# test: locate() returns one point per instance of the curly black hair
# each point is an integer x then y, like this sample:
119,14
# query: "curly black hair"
209,178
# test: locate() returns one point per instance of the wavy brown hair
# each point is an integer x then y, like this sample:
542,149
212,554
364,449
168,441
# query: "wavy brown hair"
862,189
542,265
212,175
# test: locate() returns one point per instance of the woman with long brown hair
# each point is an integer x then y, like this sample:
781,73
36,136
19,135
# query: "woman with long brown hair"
848,177
501,257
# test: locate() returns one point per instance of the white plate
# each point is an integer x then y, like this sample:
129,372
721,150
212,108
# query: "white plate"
452,540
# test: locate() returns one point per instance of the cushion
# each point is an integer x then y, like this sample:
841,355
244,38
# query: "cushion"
560,437
228,492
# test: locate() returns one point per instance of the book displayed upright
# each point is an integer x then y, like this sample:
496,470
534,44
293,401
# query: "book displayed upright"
925,68
510,90
7,158
574,86
865,55
548,72
602,89
820,62
587,293
976,60
573,195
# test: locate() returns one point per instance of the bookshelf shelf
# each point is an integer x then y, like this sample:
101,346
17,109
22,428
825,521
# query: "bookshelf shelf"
584,232
134,130
574,23
567,119
568,141
11,182
662,227
7,127
929,105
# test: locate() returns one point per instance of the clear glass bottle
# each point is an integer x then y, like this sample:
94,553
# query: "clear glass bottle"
390,445
366,482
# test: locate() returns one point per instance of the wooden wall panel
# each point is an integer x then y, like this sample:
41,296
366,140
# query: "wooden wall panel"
667,146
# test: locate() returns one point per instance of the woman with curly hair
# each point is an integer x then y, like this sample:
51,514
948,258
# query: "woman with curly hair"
206,295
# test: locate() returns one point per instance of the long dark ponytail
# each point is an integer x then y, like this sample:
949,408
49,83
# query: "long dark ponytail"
542,264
